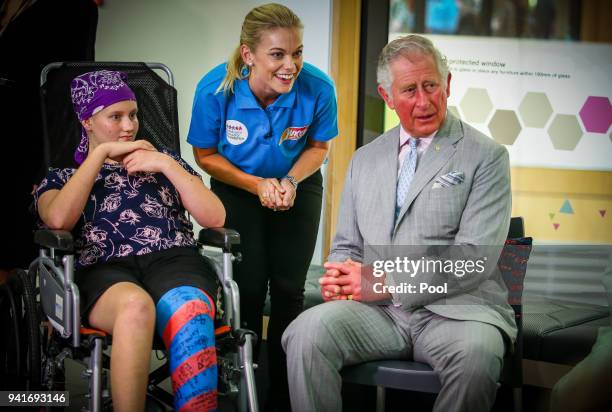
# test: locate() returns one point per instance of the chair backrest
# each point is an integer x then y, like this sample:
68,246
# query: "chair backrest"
517,228
513,266
513,262
157,107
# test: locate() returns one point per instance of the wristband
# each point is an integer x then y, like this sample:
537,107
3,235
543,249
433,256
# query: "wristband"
292,180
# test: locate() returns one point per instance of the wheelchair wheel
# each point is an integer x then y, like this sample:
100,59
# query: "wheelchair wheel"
9,343
20,349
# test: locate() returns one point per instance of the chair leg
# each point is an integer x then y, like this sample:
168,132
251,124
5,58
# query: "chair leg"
95,380
517,395
380,398
247,379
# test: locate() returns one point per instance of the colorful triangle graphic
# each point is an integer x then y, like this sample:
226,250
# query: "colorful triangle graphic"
566,208
556,226
602,212
551,215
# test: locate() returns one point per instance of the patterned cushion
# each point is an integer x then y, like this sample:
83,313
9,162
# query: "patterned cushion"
513,265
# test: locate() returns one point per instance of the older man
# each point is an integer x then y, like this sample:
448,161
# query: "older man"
433,180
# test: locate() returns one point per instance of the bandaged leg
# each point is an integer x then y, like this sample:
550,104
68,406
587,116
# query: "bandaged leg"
185,323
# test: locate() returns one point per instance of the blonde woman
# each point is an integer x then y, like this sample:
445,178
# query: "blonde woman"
261,127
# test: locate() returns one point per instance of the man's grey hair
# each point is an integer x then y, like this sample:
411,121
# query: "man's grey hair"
405,46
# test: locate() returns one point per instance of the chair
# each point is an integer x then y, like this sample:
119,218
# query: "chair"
58,296
420,377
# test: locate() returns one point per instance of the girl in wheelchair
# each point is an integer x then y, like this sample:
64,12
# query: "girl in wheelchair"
138,268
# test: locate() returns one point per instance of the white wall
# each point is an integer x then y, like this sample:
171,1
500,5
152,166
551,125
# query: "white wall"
191,37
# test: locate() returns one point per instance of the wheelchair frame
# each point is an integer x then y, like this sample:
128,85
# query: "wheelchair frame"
59,298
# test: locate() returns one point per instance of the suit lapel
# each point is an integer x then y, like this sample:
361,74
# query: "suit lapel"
441,149
385,171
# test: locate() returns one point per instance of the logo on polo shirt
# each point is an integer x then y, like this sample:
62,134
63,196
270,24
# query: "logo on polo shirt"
293,133
235,132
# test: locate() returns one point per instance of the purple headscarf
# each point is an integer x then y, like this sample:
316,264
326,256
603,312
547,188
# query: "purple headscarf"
92,92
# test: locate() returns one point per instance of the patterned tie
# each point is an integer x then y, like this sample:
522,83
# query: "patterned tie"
406,175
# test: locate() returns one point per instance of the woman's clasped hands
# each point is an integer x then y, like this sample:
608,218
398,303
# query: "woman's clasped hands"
276,195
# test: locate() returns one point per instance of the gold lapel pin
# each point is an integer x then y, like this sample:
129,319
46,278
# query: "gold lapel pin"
437,147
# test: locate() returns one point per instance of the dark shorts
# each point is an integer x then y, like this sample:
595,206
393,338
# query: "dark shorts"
156,272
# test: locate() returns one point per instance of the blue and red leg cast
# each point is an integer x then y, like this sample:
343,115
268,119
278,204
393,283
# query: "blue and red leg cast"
185,321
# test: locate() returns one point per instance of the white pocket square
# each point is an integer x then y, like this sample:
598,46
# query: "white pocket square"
450,179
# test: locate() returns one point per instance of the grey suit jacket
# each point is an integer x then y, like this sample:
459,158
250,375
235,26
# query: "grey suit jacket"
474,212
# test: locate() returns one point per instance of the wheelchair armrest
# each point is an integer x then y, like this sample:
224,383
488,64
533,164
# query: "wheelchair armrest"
54,239
219,237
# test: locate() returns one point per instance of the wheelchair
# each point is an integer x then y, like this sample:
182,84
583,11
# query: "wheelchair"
44,300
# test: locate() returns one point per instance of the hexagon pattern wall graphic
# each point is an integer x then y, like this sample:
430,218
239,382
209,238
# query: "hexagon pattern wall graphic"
596,114
565,132
476,105
535,109
504,126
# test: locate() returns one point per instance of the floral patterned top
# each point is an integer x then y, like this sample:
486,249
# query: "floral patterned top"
126,215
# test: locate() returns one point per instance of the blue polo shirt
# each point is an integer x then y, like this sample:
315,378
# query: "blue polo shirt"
263,142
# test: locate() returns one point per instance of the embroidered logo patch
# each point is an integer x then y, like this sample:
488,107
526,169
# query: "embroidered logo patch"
293,133
235,132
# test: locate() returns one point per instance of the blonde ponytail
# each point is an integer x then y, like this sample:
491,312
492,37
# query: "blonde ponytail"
235,67
260,19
